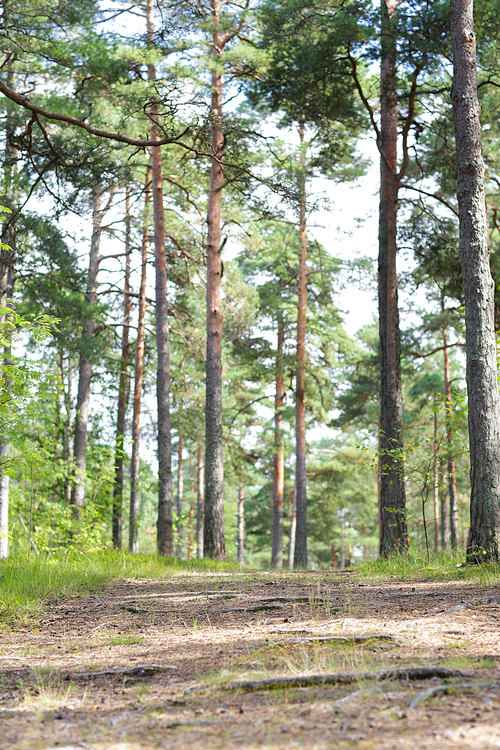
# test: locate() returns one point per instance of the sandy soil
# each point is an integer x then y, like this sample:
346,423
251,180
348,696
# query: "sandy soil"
84,674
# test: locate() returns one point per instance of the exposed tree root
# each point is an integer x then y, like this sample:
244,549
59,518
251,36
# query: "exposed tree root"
471,603
276,602
143,670
447,690
346,678
353,639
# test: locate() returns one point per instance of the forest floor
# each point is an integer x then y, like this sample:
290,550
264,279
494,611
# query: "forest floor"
151,664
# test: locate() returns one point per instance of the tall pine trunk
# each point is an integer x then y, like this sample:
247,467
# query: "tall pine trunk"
85,365
482,377
293,526
392,484
180,493
452,481
279,455
67,430
241,526
443,499
200,505
164,524
300,556
214,544
7,280
122,390
435,477
135,461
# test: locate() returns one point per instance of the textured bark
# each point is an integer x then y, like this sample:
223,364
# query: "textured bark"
135,461
200,505
293,526
122,389
452,481
214,544
435,477
164,524
7,292
85,366
444,514
7,279
180,493
392,485
67,430
482,377
300,556
190,532
241,526
279,455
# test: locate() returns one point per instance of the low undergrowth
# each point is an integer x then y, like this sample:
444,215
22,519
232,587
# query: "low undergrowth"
442,566
25,586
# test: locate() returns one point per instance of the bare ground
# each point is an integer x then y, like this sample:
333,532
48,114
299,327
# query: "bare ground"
85,674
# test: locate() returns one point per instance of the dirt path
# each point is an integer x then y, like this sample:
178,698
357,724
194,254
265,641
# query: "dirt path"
146,664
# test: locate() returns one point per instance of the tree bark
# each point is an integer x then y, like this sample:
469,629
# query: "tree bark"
435,477
241,526
300,556
7,280
200,505
164,525
135,462
180,493
279,455
394,536
444,514
122,389
67,430
293,526
482,377
85,365
214,544
7,292
452,481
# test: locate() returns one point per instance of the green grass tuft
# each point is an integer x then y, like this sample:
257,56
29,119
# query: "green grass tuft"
24,586
443,566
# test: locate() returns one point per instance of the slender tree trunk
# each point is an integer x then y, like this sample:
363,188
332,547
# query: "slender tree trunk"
214,544
7,294
190,533
394,537
122,389
435,476
293,526
180,493
164,526
481,353
7,280
241,526
300,556
67,434
279,455
200,505
85,366
452,481
443,499
138,378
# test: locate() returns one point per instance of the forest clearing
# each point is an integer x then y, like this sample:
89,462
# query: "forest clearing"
182,661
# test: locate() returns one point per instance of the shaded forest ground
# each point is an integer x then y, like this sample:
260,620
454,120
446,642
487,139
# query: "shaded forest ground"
149,664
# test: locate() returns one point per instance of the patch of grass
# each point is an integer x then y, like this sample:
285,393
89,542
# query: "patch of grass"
457,662
443,566
24,586
124,640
